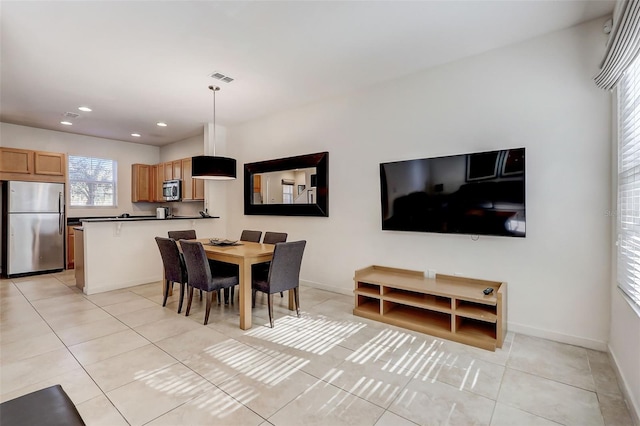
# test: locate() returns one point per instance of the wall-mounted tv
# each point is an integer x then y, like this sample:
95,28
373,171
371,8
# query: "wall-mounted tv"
481,193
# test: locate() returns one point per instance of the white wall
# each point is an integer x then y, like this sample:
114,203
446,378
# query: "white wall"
538,94
125,153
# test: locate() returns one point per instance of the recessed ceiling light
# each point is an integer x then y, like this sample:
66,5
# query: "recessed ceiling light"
161,124
85,108
135,135
66,123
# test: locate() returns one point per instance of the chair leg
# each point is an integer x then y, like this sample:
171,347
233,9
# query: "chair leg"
270,304
219,296
253,298
232,291
201,295
166,291
206,314
297,300
181,297
190,296
281,294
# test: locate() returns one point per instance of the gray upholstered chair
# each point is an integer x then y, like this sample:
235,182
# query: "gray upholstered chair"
284,274
269,238
202,276
174,268
249,236
187,234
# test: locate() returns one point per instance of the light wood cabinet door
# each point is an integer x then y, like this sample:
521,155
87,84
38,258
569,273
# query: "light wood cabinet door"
159,181
140,183
153,182
168,171
187,182
49,163
198,189
177,169
14,160
70,247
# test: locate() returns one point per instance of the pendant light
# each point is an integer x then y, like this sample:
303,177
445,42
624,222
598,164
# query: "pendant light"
212,167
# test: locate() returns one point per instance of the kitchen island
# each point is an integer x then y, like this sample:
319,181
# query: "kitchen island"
122,252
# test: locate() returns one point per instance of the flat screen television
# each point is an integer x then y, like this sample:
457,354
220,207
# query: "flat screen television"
481,193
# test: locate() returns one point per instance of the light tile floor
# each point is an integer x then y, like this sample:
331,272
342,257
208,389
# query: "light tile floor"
124,359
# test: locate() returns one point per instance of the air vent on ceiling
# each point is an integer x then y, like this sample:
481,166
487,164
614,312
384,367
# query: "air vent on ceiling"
219,76
71,115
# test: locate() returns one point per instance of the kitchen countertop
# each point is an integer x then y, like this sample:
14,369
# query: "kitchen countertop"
78,220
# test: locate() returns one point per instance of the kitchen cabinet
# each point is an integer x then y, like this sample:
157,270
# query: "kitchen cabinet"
168,170
176,167
70,247
29,165
141,189
146,181
192,189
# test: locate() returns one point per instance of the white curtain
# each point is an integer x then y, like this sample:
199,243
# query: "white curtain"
623,45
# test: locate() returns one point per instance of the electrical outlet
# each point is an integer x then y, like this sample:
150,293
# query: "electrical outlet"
431,273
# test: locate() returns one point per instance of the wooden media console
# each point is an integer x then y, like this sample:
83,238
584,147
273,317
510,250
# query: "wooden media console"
447,306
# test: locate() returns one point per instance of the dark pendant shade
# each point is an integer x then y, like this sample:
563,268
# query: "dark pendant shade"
214,168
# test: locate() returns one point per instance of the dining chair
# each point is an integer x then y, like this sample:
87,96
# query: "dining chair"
202,276
250,236
284,274
187,234
246,235
269,238
174,268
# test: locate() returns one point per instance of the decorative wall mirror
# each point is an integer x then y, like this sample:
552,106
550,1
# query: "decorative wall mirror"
293,186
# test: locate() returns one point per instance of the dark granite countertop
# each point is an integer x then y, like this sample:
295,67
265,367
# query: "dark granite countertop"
75,221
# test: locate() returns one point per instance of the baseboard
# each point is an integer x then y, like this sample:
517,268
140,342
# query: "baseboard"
557,337
632,405
332,289
98,288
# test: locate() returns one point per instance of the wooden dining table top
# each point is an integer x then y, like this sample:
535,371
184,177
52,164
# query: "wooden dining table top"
243,249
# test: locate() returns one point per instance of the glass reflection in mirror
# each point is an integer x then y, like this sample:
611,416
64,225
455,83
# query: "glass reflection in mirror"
284,187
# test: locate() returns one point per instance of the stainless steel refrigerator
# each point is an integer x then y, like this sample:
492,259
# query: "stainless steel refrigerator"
35,224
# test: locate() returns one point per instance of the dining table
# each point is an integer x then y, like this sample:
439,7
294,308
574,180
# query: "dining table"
244,254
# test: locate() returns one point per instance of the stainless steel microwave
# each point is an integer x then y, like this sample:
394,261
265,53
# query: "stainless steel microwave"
172,190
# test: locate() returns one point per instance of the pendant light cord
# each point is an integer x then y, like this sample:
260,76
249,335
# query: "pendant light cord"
214,89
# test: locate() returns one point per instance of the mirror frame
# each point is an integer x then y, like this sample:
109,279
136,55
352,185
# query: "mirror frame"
318,160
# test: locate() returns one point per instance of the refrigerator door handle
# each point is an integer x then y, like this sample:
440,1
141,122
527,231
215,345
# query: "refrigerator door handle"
60,214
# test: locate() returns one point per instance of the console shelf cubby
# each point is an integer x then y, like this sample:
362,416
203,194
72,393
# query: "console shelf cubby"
447,306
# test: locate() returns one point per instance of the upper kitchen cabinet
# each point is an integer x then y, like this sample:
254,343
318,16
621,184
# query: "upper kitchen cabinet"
141,183
192,189
146,181
28,165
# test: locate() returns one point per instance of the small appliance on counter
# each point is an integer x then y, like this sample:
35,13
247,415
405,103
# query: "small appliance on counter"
163,212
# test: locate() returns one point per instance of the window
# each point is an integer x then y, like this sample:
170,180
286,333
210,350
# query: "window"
92,182
287,193
629,183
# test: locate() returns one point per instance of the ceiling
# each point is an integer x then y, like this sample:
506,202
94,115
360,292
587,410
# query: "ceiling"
139,62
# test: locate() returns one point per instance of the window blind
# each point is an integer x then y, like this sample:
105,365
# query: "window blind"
629,183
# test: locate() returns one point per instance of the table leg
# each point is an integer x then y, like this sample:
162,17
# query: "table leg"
245,295
291,300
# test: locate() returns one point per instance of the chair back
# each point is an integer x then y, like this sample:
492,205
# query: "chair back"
274,237
197,264
251,236
187,234
171,259
284,273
